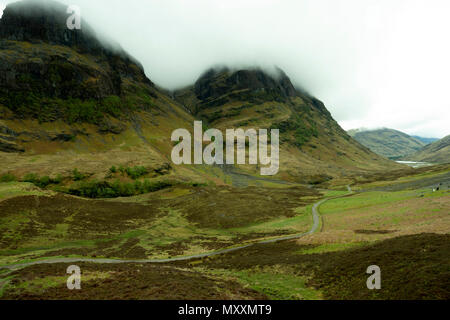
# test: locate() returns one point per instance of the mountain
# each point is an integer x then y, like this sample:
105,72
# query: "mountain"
68,89
70,99
312,142
388,143
437,152
426,140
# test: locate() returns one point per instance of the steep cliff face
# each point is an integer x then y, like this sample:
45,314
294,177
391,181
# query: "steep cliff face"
213,85
36,21
43,62
221,86
61,87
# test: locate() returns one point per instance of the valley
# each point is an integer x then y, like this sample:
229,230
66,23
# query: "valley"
187,245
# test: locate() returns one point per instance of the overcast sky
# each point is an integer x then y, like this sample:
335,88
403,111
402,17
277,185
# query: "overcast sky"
375,63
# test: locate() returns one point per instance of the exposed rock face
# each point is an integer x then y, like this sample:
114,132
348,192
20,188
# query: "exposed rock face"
41,59
213,84
62,88
217,87
45,21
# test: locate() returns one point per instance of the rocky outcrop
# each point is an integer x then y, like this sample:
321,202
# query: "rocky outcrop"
43,63
217,87
253,84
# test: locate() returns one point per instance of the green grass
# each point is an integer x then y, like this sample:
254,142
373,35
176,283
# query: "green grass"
169,228
331,247
276,286
40,285
7,178
367,199
334,193
174,227
4,283
370,199
15,189
297,224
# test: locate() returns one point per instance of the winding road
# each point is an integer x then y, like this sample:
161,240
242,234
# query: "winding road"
314,227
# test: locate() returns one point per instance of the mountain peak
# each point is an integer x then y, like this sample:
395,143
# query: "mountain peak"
215,83
45,21
44,64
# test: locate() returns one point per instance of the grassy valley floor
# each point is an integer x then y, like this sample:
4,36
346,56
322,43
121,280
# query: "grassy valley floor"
399,224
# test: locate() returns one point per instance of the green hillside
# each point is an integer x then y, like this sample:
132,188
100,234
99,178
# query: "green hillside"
437,152
388,143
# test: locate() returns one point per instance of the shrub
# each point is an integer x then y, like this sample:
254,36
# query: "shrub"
136,172
8,178
198,184
41,182
44,182
31,177
77,176
92,189
58,179
104,189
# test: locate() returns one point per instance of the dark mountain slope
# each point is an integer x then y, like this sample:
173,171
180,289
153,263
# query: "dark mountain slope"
43,62
60,87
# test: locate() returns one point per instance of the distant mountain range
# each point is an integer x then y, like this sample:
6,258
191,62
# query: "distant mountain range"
389,143
437,152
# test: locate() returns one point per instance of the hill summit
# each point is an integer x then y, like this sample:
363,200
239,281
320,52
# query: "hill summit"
45,21
62,88
218,86
390,143
46,69
437,152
